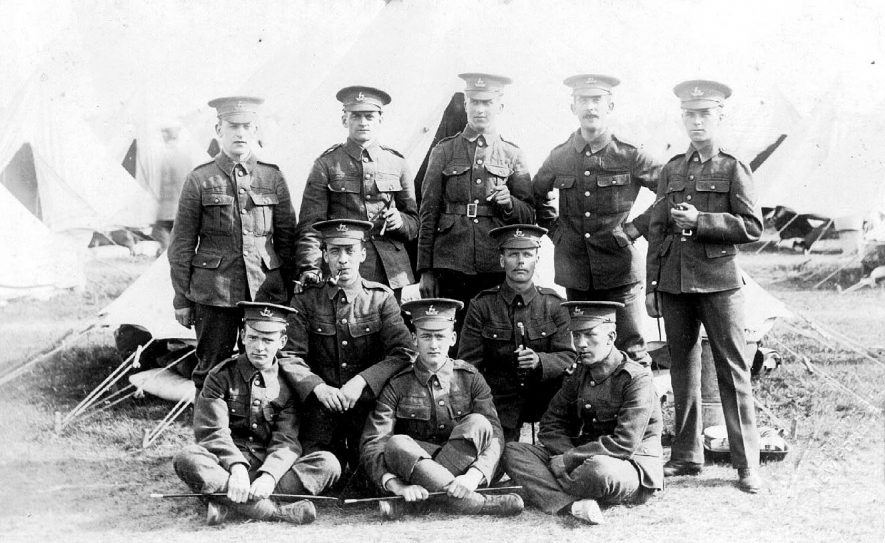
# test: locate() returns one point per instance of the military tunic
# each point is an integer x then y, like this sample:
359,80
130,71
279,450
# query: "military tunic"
490,336
334,335
699,282
429,407
617,418
349,182
246,416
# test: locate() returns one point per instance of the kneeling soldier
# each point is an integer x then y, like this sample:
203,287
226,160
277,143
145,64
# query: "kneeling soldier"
434,427
246,426
601,435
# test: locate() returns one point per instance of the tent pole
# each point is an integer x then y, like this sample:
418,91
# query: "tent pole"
63,343
782,228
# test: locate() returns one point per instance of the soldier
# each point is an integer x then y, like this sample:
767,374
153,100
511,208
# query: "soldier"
704,208
175,164
346,339
232,236
434,427
598,176
475,181
601,436
516,333
246,425
364,180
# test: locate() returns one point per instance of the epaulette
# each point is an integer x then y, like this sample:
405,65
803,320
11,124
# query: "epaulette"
676,157
408,369
631,367
204,164
376,285
625,142
330,149
725,151
268,164
550,292
221,365
494,290
392,150
465,366
448,138
509,142
566,142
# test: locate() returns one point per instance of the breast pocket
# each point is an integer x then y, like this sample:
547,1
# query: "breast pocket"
365,333
713,195
218,212
675,190
539,332
238,410
613,193
570,202
413,418
456,179
388,182
262,212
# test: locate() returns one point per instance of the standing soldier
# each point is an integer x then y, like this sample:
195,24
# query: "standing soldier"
232,236
517,333
175,164
363,180
704,208
246,424
475,181
346,339
601,436
434,427
598,176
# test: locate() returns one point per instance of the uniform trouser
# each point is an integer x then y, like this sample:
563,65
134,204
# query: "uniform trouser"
722,314
200,470
629,318
469,438
161,231
216,329
463,287
603,478
324,430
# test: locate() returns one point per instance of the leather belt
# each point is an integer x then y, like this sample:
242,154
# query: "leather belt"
470,210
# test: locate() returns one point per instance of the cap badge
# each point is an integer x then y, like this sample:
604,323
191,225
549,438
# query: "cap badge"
360,97
479,83
266,312
518,234
590,80
431,311
578,311
342,228
697,92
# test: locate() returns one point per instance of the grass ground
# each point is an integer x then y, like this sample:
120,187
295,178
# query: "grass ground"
92,482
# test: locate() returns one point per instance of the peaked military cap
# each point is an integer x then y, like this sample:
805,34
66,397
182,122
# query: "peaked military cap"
484,86
237,109
343,231
518,236
591,84
589,315
701,94
265,317
361,98
432,313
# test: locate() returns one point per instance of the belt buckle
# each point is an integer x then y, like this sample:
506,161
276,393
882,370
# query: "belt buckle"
471,210
687,232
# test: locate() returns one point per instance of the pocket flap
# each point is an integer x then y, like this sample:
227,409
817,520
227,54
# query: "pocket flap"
446,221
264,199
498,333
498,170
455,169
413,412
717,250
217,199
387,182
209,262
345,184
676,184
540,330
713,185
323,328
564,182
365,327
616,180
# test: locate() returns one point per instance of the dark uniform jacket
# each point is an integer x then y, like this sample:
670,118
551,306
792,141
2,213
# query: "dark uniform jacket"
242,409
721,188
597,188
618,417
336,334
427,406
490,336
348,182
233,235
455,216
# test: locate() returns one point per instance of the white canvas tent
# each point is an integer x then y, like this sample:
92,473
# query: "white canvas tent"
36,262
52,162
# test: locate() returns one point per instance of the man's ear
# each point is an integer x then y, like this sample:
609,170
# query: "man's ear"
414,339
218,128
501,261
283,340
344,119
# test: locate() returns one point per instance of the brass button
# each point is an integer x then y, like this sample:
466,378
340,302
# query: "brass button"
459,412
480,143
367,328
587,153
254,425
243,211
412,415
712,187
344,342
240,173
479,161
343,321
319,329
251,438
494,335
688,197
255,402
368,176
587,406
365,159
479,181
344,364
442,426
205,263
476,221
217,200
242,190
476,201
682,239
368,196
586,193
586,213
441,402
586,173
593,383
587,235
543,333
691,177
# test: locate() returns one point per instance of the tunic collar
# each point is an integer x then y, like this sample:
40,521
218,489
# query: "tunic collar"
227,164
509,294
471,135
355,150
248,371
612,362
598,144
705,154
443,374
351,292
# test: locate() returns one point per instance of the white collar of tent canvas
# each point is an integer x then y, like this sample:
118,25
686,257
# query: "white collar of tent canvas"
49,186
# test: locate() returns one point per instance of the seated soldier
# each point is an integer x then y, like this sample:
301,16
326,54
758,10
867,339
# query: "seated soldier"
516,333
246,425
434,427
601,436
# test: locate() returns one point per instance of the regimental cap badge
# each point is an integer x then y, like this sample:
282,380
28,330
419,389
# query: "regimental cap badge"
518,234
697,92
266,312
343,231
265,317
590,80
578,311
588,315
591,84
237,109
479,83
360,97
431,311
484,86
342,228
701,93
